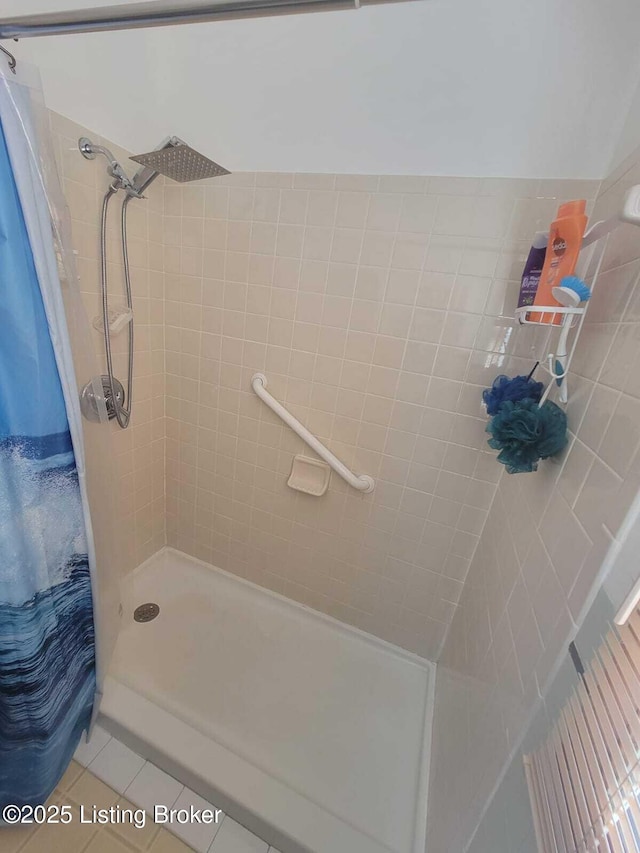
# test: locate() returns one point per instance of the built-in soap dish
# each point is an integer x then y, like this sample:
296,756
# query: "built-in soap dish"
119,318
309,476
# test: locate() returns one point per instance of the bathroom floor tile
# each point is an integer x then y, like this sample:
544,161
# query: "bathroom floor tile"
117,765
60,838
152,787
12,838
233,838
88,790
198,835
105,842
165,842
139,837
86,752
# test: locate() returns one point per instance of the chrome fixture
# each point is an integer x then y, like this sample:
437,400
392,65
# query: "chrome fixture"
90,400
159,13
89,151
10,57
177,160
146,612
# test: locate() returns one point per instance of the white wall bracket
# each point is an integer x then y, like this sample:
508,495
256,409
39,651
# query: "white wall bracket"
631,210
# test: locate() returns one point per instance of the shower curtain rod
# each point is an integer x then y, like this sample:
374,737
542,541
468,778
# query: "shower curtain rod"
160,13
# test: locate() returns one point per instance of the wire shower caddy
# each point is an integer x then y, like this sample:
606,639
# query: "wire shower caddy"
569,320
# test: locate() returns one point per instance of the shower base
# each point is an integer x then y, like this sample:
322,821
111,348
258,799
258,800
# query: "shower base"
314,735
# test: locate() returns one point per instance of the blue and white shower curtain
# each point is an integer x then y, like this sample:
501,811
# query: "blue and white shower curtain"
47,644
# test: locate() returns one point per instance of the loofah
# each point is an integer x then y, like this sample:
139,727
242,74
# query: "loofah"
504,388
524,433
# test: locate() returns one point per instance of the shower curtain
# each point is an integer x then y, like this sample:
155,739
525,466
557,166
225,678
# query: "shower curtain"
47,638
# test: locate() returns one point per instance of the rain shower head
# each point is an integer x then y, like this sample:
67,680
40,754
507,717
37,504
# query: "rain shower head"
177,161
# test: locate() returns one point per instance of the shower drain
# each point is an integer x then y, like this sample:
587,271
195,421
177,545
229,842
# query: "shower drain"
146,612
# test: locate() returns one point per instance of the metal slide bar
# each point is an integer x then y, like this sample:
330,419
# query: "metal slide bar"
361,482
159,13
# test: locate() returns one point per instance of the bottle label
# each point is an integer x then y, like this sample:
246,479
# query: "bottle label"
559,245
528,288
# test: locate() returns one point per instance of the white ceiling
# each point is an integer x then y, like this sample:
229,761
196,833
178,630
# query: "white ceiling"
482,87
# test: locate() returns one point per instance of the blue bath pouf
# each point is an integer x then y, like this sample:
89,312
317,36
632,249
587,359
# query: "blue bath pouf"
524,433
504,388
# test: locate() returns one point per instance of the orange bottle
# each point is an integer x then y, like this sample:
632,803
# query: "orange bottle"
565,241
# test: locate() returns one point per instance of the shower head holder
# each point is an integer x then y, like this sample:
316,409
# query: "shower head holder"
121,180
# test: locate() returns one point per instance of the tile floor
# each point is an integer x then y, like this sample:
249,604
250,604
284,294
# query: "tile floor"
107,773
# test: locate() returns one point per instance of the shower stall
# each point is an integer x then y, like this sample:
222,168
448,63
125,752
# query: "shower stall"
313,734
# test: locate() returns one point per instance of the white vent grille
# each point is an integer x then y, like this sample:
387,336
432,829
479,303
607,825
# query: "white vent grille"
584,782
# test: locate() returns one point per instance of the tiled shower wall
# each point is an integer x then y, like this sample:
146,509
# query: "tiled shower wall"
375,306
541,550
138,452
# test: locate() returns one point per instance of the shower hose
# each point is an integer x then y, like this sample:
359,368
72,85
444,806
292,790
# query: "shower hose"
122,410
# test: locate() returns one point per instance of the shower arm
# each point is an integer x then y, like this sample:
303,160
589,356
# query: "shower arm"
89,150
158,13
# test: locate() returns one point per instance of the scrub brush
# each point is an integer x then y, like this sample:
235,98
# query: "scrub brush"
571,292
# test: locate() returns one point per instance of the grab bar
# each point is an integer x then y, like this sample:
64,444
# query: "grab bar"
362,482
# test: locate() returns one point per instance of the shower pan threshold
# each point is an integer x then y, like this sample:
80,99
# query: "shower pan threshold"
314,735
